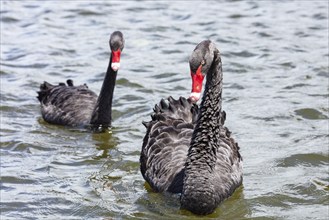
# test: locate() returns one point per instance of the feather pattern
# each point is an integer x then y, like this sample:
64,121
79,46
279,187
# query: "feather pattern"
187,149
66,104
166,143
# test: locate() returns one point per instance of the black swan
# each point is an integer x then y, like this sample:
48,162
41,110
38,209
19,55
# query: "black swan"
187,149
77,105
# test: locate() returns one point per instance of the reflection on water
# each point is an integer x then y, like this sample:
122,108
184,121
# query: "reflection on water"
104,142
275,62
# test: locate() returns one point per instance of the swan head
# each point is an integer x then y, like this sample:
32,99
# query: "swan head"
200,62
116,44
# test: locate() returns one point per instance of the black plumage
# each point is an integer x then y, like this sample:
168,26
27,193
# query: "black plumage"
187,149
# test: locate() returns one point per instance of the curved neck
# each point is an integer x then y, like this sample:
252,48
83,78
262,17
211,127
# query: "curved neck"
209,120
209,117
201,159
102,114
211,104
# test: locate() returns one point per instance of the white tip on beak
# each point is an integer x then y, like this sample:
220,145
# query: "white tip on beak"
115,66
195,96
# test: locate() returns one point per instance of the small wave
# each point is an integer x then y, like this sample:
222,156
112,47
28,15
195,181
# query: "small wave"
310,113
309,160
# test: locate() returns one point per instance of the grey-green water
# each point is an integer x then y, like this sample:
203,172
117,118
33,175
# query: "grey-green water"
275,61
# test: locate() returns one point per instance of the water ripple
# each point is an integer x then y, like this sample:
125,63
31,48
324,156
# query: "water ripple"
275,94
311,114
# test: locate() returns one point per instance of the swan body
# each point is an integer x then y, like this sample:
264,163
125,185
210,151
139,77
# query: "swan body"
187,149
66,104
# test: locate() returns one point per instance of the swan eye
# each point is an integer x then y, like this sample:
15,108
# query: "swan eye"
203,63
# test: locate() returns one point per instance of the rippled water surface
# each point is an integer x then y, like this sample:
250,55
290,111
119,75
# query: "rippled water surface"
275,62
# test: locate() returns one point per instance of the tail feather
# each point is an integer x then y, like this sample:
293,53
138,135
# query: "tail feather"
181,108
44,89
69,82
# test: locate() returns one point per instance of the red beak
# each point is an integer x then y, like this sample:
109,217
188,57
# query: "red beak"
116,59
197,79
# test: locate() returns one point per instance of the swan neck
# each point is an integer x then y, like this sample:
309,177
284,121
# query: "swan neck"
211,104
214,84
198,193
102,114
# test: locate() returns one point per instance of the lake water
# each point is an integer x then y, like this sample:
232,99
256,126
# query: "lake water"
276,94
